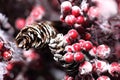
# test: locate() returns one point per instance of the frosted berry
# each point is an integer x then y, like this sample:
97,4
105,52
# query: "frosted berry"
103,78
66,6
68,48
100,66
67,39
85,68
73,34
87,45
80,20
93,51
70,20
7,55
78,56
69,57
75,11
20,23
103,51
76,47
114,69
93,12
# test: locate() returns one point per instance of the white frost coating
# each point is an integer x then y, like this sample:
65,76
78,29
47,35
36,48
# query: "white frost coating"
2,70
3,19
107,8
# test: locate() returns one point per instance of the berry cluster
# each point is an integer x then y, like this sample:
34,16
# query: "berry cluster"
89,58
35,15
6,52
89,51
71,14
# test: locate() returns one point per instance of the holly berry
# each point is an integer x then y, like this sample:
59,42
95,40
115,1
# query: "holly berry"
103,78
67,39
9,66
70,19
114,69
75,11
80,20
100,66
103,51
93,51
81,41
93,12
78,56
20,23
85,68
37,12
68,48
87,45
73,34
76,47
7,55
87,36
66,6
69,57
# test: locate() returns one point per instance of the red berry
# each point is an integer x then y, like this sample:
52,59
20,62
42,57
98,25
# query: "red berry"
100,66
9,66
76,47
73,34
66,6
67,77
85,68
37,12
67,39
87,45
81,41
93,12
87,36
68,48
70,19
93,51
75,11
103,51
80,20
62,18
1,45
103,78
20,23
69,57
114,69
78,56
7,55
